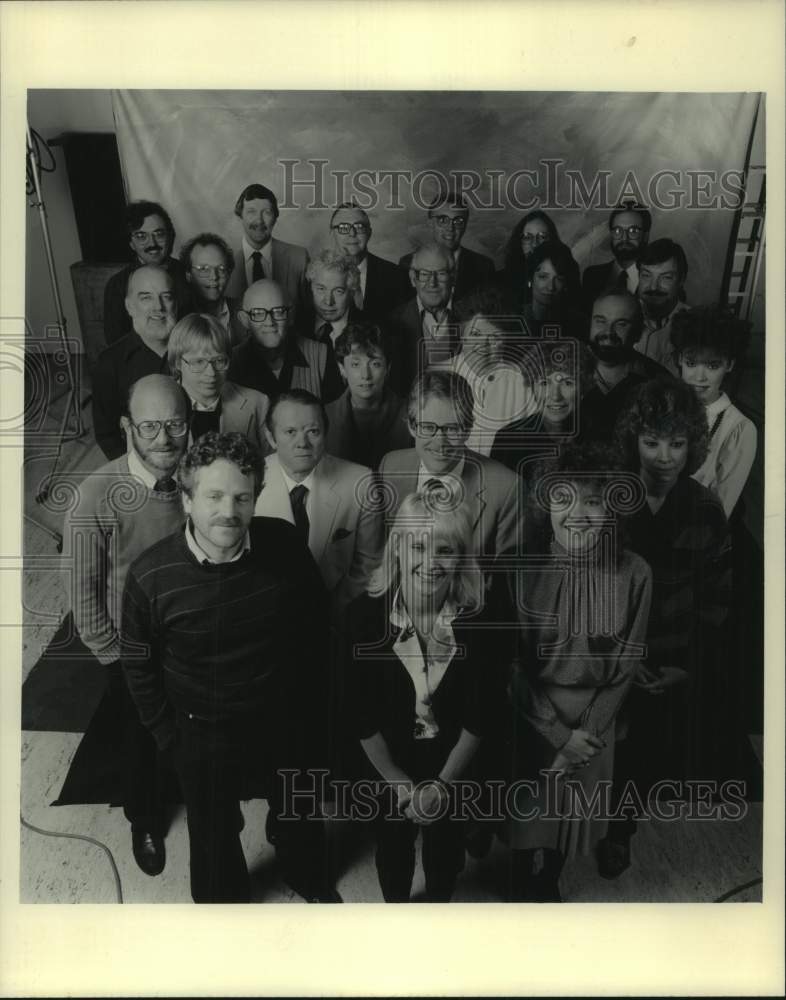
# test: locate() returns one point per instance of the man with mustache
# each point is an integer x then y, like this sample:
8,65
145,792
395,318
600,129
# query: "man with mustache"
232,680
260,255
616,323
125,507
629,231
152,307
151,237
663,268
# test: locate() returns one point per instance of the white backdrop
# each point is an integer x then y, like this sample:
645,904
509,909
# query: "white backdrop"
194,151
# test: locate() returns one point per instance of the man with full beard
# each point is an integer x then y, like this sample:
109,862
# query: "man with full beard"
616,323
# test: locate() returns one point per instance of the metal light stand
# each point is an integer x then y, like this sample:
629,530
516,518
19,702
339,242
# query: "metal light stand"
61,324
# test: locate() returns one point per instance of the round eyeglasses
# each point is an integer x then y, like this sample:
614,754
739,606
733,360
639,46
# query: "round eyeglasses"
219,363
449,221
150,429
536,238
630,230
424,276
205,270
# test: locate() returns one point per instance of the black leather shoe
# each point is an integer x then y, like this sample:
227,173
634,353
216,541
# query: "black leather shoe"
324,896
311,894
149,852
613,857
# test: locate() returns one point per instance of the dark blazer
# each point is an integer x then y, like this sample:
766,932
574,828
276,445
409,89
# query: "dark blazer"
474,269
117,368
289,271
117,322
405,328
307,365
389,431
491,496
383,694
601,278
387,285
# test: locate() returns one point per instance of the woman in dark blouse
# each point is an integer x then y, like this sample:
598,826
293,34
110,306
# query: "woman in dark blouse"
419,670
681,531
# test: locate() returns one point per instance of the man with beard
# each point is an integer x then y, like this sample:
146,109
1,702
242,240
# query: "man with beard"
629,230
663,268
382,284
260,255
151,305
151,236
616,323
125,507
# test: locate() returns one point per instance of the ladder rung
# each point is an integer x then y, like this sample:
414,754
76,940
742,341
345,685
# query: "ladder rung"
744,253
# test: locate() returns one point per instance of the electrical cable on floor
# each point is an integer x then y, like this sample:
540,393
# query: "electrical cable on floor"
90,840
739,888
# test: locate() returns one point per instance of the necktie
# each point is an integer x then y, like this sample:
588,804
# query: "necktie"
324,333
258,268
165,485
297,498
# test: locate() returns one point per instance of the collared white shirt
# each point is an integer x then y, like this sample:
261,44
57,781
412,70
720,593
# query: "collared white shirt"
450,480
426,671
655,340
199,553
267,259
732,450
205,408
432,328
632,272
308,482
137,468
338,325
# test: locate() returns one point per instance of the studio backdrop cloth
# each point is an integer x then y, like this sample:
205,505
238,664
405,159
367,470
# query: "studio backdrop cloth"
195,150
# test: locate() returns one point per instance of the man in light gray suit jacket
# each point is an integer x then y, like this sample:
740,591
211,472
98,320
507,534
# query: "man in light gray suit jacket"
440,410
260,256
325,497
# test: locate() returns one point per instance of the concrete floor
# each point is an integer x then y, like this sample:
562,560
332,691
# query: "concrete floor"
685,861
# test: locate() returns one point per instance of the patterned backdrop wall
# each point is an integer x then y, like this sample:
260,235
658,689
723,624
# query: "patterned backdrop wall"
684,154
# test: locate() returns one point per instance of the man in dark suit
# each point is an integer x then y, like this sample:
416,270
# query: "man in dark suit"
629,231
208,264
152,308
448,216
151,236
260,255
440,416
333,281
423,330
383,285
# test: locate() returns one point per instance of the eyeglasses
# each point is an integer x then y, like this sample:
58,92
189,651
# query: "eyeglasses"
427,429
424,276
219,363
345,228
534,238
149,429
259,315
158,234
448,221
630,230
204,270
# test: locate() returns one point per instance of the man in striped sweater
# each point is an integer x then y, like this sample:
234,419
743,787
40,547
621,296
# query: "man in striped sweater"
123,508
226,674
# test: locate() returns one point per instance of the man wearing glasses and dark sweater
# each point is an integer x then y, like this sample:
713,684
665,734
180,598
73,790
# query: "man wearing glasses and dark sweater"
224,673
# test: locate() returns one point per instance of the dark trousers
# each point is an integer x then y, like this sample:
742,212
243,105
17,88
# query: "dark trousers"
147,775
443,841
213,760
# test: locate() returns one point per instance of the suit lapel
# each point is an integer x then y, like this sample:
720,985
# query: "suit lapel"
324,507
280,264
475,490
